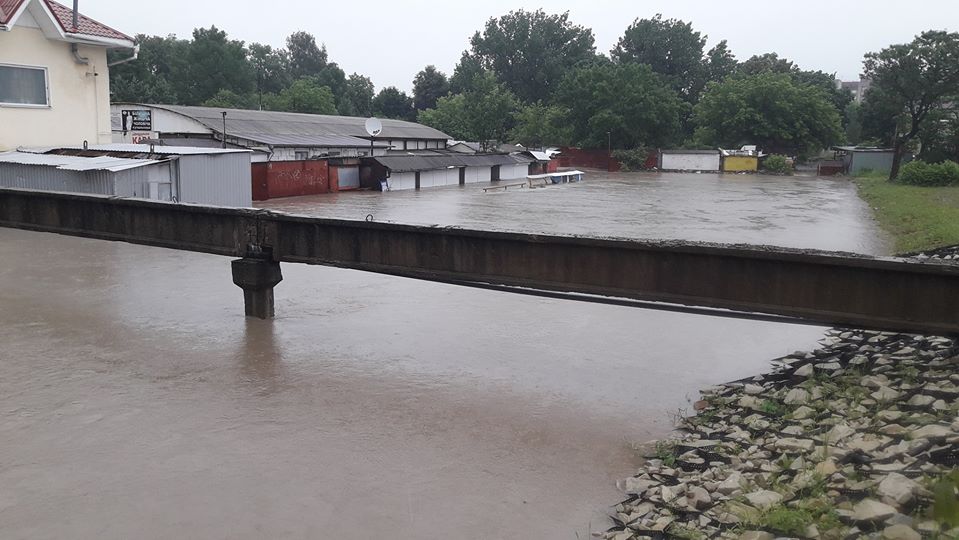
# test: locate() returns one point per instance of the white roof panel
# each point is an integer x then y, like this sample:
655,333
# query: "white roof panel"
75,163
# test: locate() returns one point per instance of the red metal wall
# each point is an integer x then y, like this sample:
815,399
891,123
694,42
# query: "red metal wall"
292,178
582,157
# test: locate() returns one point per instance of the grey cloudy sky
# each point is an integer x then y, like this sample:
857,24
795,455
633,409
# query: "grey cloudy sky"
390,41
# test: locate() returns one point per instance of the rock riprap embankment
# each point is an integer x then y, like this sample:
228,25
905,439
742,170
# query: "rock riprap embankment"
854,440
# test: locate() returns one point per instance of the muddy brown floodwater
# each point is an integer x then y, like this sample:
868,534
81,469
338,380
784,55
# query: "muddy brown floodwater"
137,402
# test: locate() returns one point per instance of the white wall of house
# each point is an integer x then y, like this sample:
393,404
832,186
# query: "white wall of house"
78,95
690,162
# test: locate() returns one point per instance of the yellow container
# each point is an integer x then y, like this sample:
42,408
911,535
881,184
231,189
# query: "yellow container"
740,164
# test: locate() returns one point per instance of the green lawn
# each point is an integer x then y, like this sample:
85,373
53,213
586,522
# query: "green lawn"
918,217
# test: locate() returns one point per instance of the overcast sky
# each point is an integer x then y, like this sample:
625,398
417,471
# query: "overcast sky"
391,41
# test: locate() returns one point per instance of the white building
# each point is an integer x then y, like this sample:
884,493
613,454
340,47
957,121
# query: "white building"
54,76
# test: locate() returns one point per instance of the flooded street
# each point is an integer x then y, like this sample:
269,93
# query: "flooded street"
136,401
789,211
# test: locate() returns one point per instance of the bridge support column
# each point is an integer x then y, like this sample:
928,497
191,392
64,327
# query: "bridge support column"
257,277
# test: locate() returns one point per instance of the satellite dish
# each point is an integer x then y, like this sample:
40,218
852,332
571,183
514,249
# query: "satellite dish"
373,126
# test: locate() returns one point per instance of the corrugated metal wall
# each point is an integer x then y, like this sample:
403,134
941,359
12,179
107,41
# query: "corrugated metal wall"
400,181
880,162
740,163
513,172
47,178
690,162
134,182
217,179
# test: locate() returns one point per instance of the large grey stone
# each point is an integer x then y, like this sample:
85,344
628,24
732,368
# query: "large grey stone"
900,532
796,396
789,444
756,535
897,489
764,498
870,511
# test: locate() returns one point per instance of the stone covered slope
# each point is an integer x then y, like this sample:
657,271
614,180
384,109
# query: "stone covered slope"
849,441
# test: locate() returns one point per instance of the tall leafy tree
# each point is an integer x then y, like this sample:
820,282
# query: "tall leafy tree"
770,110
490,108
628,103
429,85
451,116
465,73
772,63
271,67
357,99
767,63
910,81
391,102
539,125
530,51
215,63
483,113
306,58
303,96
720,62
670,47
157,76
228,99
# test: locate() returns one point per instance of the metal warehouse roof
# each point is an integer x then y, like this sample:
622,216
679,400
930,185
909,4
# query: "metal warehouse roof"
863,149
75,163
141,149
421,162
330,141
287,123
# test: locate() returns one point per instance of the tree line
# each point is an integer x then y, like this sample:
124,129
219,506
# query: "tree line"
537,79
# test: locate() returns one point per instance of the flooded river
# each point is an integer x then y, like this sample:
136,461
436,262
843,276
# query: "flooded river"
137,402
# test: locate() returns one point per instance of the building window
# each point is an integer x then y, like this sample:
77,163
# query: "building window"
23,85
301,155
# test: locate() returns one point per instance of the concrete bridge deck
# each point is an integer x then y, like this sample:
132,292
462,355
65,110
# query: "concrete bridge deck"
818,287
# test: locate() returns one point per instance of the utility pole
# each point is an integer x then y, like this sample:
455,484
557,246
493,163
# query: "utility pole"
609,151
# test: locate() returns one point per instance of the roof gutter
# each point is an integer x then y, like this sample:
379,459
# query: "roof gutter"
136,54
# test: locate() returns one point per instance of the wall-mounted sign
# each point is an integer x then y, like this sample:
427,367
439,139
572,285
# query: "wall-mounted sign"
137,120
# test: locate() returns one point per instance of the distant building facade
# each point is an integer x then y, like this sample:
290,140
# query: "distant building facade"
857,88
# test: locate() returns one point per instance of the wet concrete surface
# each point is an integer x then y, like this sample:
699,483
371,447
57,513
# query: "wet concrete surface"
787,211
137,402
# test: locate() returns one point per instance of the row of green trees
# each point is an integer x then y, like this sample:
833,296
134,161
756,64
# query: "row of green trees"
537,79
212,69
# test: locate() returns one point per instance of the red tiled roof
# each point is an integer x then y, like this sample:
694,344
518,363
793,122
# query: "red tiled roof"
7,7
64,17
85,25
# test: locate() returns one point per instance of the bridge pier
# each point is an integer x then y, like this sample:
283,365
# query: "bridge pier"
257,277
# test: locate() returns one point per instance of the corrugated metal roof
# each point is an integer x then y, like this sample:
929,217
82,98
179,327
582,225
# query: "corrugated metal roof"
75,163
420,162
141,148
863,149
287,123
703,152
331,141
